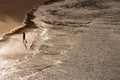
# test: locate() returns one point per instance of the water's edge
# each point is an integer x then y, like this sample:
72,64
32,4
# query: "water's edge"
28,24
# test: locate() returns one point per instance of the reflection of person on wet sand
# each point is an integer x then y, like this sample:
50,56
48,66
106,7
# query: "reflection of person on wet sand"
24,39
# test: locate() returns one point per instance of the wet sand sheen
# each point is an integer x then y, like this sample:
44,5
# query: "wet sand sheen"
12,13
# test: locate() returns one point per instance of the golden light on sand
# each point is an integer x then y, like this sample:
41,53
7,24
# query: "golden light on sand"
8,24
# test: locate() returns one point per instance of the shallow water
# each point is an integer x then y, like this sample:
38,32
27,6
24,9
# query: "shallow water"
69,43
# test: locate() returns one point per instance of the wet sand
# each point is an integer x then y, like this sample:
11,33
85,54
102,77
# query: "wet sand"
12,13
74,40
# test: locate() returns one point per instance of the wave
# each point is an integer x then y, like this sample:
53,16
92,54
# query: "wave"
28,24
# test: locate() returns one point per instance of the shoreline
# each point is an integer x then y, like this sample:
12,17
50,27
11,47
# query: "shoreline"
27,21
10,19
25,25
78,39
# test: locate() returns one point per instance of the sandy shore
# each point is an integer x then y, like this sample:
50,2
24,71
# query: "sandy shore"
12,13
71,40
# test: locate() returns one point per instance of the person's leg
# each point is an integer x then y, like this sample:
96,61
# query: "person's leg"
25,41
25,45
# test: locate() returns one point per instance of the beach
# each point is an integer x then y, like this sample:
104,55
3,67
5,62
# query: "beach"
68,40
12,13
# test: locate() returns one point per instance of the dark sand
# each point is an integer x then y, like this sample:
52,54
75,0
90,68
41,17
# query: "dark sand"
12,13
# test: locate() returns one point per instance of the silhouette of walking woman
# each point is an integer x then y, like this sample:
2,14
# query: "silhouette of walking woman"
24,39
